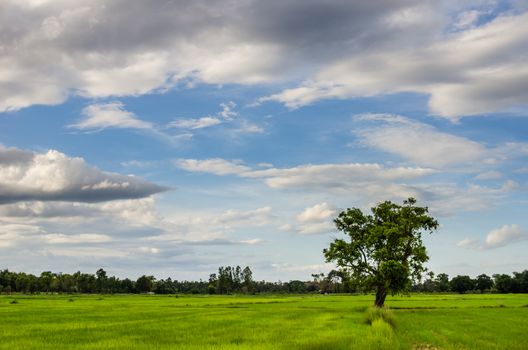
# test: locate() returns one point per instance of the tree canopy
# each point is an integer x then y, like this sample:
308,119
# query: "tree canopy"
385,251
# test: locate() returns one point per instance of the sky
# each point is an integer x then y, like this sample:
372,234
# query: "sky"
169,138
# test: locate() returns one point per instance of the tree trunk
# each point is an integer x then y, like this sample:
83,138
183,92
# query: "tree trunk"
381,294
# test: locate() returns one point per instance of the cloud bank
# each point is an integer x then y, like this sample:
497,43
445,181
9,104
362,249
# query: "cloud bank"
89,48
53,176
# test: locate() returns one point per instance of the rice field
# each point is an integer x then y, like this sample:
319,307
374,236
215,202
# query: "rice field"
488,321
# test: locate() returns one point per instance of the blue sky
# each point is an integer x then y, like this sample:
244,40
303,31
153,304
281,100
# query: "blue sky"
176,138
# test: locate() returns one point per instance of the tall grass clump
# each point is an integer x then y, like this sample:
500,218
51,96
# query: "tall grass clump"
381,336
380,313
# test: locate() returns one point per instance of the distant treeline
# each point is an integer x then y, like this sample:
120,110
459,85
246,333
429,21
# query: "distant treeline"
498,283
230,280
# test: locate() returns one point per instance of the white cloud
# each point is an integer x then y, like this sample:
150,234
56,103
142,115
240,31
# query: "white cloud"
227,111
418,142
505,235
225,116
136,74
88,252
318,212
424,145
249,128
215,166
500,237
316,219
14,232
490,175
59,238
109,115
355,179
467,242
334,176
88,48
253,241
148,250
366,183
200,123
53,176
316,227
472,72
257,217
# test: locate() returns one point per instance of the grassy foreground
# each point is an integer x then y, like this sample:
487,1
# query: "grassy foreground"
262,322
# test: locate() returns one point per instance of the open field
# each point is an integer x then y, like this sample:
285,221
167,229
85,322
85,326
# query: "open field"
261,322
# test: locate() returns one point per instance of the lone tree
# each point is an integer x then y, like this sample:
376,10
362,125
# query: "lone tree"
385,251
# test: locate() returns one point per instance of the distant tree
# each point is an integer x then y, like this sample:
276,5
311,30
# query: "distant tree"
521,281
45,281
296,286
385,251
442,282
503,283
225,280
461,284
164,287
483,282
247,277
85,282
428,286
237,278
101,280
334,278
144,284
22,283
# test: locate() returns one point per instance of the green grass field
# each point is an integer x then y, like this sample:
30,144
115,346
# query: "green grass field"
261,322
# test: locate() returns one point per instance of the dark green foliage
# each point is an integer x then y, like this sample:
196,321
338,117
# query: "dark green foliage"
503,283
232,280
144,284
483,283
336,281
442,282
385,250
462,284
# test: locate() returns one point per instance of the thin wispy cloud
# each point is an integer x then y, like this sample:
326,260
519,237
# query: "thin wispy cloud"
109,115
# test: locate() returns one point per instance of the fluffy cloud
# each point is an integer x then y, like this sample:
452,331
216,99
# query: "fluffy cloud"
53,176
89,48
504,235
500,237
318,212
315,219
